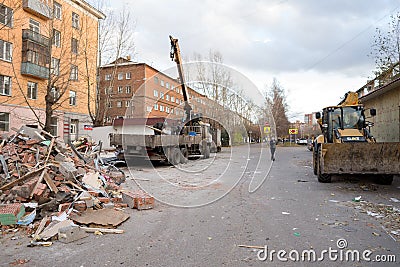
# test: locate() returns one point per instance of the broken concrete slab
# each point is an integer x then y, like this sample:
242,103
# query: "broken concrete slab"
52,229
71,233
106,217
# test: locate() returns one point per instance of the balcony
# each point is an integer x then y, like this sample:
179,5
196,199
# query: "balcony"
35,37
31,69
38,8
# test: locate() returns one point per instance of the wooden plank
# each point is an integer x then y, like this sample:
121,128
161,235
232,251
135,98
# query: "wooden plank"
38,182
50,148
50,183
103,230
40,228
23,178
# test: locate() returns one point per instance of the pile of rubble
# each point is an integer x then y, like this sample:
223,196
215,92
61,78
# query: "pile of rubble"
59,191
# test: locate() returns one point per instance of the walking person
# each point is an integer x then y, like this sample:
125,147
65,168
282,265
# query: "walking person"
272,147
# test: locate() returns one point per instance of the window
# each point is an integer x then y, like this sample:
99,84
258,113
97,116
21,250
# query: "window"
56,38
161,95
155,93
57,10
128,76
55,66
120,89
155,106
161,108
6,15
75,20
127,104
177,101
167,109
120,76
72,128
110,104
5,50
32,90
55,92
34,25
74,73
53,126
4,121
167,85
167,97
108,77
172,111
72,98
128,89
5,85
155,80
109,90
74,45
162,83
172,99
119,104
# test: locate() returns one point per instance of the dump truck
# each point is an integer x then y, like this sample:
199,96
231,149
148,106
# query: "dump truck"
346,145
171,141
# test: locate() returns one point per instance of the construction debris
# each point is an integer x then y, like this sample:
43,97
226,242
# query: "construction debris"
59,189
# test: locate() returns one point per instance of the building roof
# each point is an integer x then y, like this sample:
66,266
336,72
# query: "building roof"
381,90
89,8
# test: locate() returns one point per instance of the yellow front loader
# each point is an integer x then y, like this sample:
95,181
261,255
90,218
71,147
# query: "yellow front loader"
347,147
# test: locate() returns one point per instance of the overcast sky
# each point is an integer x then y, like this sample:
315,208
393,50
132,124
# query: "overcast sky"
317,50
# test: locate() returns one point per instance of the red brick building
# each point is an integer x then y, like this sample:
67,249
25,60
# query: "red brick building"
136,90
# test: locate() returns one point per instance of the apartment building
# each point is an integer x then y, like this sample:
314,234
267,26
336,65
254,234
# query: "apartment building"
137,90
48,48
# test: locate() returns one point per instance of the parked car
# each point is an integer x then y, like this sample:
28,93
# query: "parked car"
302,141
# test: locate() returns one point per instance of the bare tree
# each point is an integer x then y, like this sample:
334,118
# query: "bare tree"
276,100
116,39
386,45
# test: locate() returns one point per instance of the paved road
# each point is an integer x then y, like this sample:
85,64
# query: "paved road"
290,211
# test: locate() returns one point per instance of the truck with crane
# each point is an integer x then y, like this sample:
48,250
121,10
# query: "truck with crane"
172,142
346,145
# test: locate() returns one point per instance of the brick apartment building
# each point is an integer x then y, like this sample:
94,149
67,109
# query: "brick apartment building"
46,43
136,90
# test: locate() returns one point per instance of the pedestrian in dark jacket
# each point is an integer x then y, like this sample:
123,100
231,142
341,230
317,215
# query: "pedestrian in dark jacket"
272,147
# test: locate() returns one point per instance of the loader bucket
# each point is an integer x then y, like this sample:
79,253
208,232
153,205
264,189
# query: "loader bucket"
360,158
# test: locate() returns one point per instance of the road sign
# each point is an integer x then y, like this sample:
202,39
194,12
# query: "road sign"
267,129
293,131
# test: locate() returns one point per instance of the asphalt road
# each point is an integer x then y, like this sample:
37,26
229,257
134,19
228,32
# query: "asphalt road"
209,217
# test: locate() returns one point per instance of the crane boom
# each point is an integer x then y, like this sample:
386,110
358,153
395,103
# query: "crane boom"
175,55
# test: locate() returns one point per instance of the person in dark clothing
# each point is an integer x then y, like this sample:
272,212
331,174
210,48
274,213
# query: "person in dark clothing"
272,147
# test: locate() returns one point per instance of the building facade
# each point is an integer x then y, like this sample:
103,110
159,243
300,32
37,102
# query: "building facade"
136,90
48,48
383,94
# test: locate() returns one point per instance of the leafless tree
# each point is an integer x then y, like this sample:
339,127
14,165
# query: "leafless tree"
116,40
386,45
276,100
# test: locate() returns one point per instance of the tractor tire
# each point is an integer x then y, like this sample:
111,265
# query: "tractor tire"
385,179
175,156
206,152
184,155
315,160
322,178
